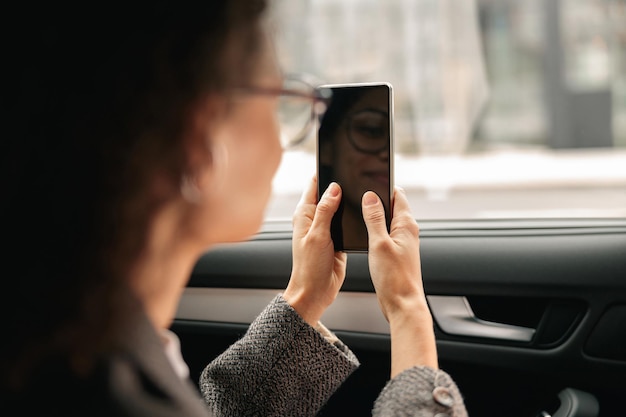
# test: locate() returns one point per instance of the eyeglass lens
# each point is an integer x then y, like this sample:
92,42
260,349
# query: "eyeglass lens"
295,112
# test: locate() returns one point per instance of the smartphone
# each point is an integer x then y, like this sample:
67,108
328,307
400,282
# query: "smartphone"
355,150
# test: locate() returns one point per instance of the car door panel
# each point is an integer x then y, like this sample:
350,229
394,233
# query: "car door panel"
561,284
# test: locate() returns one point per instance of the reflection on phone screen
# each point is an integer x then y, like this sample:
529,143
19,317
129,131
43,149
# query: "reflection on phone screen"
355,150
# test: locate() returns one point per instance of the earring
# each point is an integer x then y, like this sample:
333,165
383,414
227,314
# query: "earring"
189,189
194,187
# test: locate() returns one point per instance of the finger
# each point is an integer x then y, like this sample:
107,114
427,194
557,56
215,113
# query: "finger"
402,218
400,203
309,196
326,208
374,215
305,209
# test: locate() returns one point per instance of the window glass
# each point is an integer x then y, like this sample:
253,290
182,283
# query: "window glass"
503,108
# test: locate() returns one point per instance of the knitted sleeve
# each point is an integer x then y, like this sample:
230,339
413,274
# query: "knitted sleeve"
281,367
420,392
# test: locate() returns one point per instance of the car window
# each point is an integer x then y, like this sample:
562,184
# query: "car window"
503,109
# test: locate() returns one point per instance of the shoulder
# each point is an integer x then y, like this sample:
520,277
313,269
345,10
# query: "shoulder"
117,387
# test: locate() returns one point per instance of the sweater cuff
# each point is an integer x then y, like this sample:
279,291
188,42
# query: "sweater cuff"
281,366
420,391
321,330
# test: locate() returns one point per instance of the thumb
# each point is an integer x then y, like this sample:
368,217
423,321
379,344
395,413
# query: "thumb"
374,215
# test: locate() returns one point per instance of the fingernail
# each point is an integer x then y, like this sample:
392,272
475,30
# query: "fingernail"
333,190
370,199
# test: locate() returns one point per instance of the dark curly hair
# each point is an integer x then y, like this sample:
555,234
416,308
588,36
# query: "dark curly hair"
97,98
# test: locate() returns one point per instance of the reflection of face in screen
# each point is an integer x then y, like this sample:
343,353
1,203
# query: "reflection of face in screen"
354,151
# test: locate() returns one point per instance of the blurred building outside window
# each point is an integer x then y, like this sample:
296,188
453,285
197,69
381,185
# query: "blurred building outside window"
503,109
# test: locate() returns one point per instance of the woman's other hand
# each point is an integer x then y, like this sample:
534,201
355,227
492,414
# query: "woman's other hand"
318,271
395,268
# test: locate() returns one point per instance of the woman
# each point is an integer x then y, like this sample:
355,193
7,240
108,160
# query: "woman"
138,139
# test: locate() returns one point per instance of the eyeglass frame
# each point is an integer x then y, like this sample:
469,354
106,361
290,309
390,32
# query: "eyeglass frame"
319,97
348,124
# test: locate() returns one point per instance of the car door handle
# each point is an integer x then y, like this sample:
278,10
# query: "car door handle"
454,316
576,403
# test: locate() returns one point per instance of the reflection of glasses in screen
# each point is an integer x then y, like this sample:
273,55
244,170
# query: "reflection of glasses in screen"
368,130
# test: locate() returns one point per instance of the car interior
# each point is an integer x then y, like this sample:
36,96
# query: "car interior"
510,141
524,313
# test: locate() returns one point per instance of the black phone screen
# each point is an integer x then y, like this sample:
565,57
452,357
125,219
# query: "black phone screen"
355,149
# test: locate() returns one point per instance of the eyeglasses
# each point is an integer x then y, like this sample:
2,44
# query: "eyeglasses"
368,130
300,105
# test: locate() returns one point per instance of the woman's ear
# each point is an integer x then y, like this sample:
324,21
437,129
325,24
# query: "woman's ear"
202,122
205,154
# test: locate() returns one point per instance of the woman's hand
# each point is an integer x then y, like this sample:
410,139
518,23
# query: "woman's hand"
395,268
318,271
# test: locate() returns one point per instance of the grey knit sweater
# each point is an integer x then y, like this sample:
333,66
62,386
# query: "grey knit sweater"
284,367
